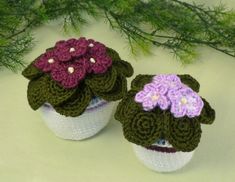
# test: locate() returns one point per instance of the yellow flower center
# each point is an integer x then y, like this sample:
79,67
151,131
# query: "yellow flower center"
155,97
184,100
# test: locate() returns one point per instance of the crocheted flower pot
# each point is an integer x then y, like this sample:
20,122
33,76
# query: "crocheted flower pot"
162,116
95,118
74,84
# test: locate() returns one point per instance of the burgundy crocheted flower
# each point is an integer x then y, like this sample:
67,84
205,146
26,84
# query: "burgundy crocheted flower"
69,74
46,61
97,58
69,61
98,63
66,50
96,48
185,102
153,95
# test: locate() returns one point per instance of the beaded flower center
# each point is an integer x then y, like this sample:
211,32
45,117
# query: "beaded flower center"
92,60
70,69
72,49
91,45
51,60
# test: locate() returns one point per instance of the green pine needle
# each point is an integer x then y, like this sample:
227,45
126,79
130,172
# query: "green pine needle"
172,24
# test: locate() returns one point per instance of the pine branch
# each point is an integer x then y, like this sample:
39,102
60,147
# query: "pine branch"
172,24
176,32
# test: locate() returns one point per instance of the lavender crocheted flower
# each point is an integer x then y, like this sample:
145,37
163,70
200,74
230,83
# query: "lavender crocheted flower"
69,74
153,95
167,91
170,81
47,61
185,102
66,50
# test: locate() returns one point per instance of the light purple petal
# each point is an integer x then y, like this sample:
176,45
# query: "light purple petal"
167,91
163,103
139,97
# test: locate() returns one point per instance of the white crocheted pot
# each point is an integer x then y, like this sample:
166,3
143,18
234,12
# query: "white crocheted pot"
93,120
162,157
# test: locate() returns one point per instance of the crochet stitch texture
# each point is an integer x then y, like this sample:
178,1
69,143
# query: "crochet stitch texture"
145,127
168,91
73,72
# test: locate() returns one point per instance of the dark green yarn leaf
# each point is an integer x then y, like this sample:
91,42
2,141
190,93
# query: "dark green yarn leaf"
113,54
35,93
76,104
207,115
50,48
31,72
165,124
118,91
102,82
56,94
127,108
184,133
123,67
139,81
144,129
190,81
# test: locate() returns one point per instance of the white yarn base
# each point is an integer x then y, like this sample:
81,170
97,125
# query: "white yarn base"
77,128
161,161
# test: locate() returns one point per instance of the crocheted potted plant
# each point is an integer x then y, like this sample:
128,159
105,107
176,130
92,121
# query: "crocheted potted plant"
73,84
162,116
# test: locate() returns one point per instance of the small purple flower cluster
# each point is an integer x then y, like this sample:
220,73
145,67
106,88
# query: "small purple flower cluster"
167,91
69,61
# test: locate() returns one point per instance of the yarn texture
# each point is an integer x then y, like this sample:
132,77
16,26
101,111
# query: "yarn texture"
145,127
92,121
70,74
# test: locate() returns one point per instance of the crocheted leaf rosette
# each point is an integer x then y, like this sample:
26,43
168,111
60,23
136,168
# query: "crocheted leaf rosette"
164,107
70,74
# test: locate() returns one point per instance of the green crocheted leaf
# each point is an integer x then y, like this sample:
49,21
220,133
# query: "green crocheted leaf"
124,68
166,114
118,91
184,133
113,54
143,129
102,82
139,81
56,94
76,104
207,115
127,108
35,93
190,81
50,48
31,72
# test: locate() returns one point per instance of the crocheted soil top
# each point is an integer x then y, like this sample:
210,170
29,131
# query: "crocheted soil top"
164,107
70,74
